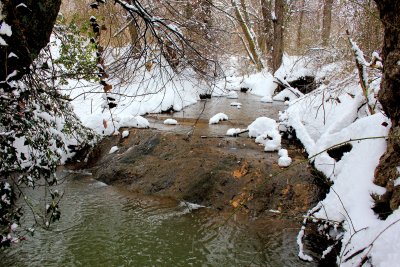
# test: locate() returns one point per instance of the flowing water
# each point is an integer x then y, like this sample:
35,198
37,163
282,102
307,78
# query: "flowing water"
107,226
200,113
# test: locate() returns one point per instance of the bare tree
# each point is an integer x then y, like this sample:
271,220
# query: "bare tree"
326,22
254,51
278,45
267,27
300,25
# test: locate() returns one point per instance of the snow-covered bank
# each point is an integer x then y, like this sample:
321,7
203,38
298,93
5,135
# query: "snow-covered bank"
261,84
151,93
335,115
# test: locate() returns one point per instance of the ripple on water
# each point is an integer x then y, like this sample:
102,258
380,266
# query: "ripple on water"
103,226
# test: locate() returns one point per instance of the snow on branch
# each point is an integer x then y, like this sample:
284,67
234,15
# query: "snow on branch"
362,66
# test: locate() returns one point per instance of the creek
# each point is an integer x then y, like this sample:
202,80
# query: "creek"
109,225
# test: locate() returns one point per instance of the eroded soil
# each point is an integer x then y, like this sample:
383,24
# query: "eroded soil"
218,172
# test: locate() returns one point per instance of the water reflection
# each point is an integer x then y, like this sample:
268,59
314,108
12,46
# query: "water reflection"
202,111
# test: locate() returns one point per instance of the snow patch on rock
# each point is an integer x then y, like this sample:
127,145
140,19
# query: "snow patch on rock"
170,122
113,150
218,117
265,130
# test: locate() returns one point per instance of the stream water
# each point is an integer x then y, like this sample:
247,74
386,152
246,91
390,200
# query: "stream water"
200,113
107,226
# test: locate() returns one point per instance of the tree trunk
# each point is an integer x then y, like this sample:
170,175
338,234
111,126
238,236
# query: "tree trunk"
31,28
389,96
267,33
278,21
326,22
253,47
300,25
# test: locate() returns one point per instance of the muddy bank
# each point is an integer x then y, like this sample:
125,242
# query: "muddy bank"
218,172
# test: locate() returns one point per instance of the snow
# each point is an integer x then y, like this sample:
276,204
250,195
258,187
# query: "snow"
13,227
2,42
294,67
171,122
261,84
260,126
397,181
135,122
98,184
288,94
217,118
301,254
7,186
11,55
11,75
274,211
282,152
273,16
125,134
175,28
5,29
284,161
190,206
21,5
324,119
113,150
233,131
5,199
102,125
265,130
